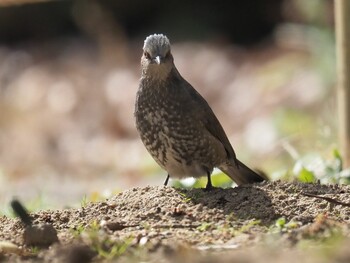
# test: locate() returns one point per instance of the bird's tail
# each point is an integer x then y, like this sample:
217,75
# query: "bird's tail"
242,174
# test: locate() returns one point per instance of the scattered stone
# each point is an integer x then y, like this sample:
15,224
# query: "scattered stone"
115,225
8,247
72,253
42,235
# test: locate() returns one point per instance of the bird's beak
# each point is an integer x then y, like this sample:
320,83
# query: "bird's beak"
157,59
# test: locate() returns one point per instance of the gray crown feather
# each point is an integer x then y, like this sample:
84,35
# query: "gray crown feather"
156,44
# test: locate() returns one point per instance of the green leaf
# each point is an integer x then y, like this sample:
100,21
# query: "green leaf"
306,176
339,159
280,222
336,154
204,226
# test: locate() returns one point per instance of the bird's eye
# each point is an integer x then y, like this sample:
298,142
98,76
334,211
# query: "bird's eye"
147,55
167,54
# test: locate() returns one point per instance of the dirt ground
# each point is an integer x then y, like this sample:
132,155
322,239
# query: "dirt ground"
164,224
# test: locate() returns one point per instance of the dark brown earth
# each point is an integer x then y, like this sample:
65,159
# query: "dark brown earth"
164,224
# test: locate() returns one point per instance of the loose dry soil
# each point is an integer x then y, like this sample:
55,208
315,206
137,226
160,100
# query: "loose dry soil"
164,224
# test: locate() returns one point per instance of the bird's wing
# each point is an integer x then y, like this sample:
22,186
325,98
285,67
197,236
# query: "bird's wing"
209,119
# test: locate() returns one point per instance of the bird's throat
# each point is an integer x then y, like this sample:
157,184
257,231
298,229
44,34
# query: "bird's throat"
157,72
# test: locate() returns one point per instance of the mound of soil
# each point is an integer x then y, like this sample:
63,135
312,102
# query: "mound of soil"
162,221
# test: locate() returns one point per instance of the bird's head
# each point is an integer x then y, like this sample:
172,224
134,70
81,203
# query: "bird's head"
157,60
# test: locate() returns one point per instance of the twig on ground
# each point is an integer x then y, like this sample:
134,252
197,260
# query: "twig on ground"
329,199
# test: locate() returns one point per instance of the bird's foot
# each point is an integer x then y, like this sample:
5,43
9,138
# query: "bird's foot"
166,180
209,186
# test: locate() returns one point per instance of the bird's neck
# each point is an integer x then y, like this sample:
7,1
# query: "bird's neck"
158,73
160,87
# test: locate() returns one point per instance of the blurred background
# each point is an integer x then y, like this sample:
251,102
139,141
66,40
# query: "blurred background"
69,72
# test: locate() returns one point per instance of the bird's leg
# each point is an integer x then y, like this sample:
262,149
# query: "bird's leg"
209,185
166,180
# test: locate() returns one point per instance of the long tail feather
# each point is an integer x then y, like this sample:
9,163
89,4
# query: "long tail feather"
242,174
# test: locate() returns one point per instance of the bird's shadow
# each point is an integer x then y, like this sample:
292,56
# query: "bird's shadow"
243,202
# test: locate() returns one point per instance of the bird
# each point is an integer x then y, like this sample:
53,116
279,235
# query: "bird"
176,124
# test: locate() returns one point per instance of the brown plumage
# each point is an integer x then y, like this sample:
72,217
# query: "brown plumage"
176,124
